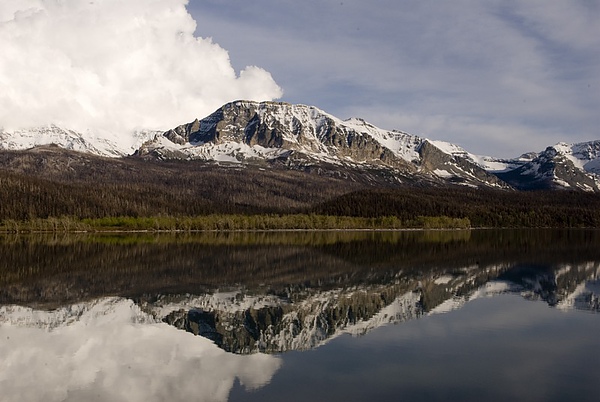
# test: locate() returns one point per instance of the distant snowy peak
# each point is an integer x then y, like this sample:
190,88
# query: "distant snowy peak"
583,155
98,311
562,166
102,144
51,134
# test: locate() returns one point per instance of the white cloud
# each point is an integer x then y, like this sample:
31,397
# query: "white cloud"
113,66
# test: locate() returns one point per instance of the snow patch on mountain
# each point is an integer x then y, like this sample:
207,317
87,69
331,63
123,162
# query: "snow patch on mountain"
586,296
231,302
228,152
584,155
488,163
404,308
402,144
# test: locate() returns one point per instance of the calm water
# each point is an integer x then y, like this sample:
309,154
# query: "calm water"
460,315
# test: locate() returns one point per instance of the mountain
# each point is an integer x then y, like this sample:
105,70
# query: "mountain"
307,139
562,166
101,144
303,136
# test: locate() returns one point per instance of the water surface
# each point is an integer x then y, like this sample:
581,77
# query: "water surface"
457,315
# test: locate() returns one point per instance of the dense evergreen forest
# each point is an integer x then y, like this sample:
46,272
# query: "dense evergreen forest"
483,207
50,188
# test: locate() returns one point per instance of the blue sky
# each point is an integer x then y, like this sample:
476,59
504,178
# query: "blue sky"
496,77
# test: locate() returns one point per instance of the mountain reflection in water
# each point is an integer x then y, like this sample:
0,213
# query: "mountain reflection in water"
115,316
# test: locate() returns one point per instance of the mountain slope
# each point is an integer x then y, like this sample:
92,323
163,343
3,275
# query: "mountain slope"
301,136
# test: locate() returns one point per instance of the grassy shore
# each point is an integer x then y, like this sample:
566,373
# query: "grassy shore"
219,222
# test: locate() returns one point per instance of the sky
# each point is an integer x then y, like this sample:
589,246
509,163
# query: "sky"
498,78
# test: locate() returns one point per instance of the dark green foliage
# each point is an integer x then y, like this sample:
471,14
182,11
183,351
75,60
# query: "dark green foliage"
482,207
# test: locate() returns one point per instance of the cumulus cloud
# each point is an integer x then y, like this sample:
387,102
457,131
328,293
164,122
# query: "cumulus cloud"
113,66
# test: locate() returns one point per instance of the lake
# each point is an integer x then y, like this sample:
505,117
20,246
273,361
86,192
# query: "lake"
475,315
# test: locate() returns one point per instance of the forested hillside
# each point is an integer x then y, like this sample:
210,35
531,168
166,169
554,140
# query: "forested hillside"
53,183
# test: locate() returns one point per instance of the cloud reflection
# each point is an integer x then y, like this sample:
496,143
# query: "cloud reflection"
110,350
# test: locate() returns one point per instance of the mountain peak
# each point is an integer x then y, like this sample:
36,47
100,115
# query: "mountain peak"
305,137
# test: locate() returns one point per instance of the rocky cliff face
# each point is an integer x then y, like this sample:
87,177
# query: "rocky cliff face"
454,168
282,126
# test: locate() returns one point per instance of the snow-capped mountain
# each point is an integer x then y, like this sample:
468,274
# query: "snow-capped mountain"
237,324
562,166
280,129
300,135
304,137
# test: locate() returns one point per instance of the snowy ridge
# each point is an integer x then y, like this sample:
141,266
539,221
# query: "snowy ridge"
488,163
300,135
584,155
102,144
570,166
